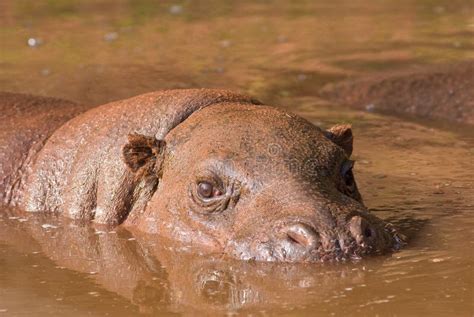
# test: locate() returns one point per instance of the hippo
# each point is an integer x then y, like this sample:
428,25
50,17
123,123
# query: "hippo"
210,168
443,92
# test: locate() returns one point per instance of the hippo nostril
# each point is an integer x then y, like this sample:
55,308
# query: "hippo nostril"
302,234
361,230
337,245
368,232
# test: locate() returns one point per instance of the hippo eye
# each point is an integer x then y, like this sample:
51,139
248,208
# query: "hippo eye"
347,175
206,190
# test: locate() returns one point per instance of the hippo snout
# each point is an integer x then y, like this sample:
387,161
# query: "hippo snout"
362,231
303,241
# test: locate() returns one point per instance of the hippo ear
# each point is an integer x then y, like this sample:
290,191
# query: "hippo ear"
341,134
143,154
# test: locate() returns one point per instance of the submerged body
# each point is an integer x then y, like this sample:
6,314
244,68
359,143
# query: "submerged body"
207,167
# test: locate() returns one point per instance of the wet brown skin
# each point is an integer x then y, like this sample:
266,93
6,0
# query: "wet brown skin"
26,123
442,92
211,168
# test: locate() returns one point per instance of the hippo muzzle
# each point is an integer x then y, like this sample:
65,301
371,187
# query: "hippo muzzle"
300,241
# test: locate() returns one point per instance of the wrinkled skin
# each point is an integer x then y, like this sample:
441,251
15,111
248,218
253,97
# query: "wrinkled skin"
210,168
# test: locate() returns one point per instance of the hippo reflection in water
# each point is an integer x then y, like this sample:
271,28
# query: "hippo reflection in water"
210,168
161,276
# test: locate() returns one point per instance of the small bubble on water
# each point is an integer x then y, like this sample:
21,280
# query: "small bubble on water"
218,70
282,39
111,36
301,77
34,42
95,294
176,9
225,43
437,260
439,9
45,72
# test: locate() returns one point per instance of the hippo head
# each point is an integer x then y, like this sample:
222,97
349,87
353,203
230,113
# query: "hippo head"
257,183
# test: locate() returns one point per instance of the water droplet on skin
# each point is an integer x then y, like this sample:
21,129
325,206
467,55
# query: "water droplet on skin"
48,226
370,107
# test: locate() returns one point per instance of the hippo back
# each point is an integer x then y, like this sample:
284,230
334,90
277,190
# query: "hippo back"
79,171
26,122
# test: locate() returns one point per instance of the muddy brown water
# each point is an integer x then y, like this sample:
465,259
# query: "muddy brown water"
416,174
